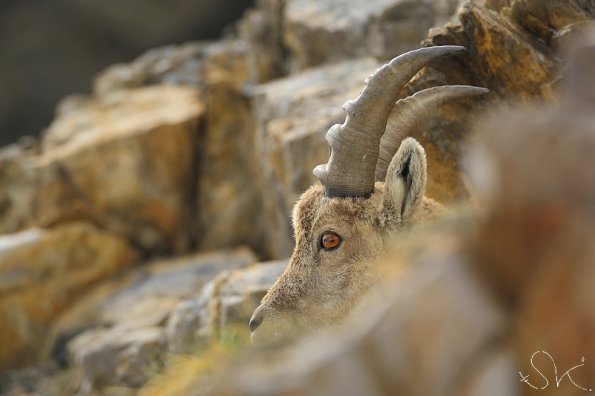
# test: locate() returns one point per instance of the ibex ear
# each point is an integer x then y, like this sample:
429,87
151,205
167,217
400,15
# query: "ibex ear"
406,179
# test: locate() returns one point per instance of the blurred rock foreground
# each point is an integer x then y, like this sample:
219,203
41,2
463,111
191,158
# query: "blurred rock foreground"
133,226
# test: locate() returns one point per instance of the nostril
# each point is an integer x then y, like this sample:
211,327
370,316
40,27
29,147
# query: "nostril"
255,321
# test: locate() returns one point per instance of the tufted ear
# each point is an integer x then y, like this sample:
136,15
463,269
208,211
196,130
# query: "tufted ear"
406,178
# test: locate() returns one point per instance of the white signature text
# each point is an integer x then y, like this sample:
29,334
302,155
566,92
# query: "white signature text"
558,380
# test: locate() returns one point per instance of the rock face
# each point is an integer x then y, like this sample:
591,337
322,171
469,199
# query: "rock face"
223,308
512,50
502,57
324,32
550,20
228,189
126,357
34,288
132,159
172,65
118,161
125,172
238,293
493,41
229,200
262,28
127,339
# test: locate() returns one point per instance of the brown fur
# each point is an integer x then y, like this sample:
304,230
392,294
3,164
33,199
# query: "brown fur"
320,287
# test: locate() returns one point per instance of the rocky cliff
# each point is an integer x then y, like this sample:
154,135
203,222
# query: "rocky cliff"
130,226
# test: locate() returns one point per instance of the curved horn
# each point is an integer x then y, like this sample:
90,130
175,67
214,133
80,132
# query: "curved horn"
404,119
355,144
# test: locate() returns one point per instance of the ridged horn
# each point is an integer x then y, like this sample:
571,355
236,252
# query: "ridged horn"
355,144
406,114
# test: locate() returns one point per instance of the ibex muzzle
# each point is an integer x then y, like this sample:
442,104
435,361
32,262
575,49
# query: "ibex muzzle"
368,194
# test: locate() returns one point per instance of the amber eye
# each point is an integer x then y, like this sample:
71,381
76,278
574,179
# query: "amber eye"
330,240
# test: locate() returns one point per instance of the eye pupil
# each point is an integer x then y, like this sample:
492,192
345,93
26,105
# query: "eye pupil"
330,241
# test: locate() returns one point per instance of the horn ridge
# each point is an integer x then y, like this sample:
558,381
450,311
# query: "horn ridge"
406,114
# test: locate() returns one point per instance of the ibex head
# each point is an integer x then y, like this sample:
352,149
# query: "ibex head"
368,194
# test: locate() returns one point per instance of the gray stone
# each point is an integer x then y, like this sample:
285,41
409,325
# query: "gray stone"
223,308
174,65
262,28
125,357
128,340
188,325
187,64
325,32
168,281
230,185
240,292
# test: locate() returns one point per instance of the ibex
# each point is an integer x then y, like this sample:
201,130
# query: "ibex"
368,195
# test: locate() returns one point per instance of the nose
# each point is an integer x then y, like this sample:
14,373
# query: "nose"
256,320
